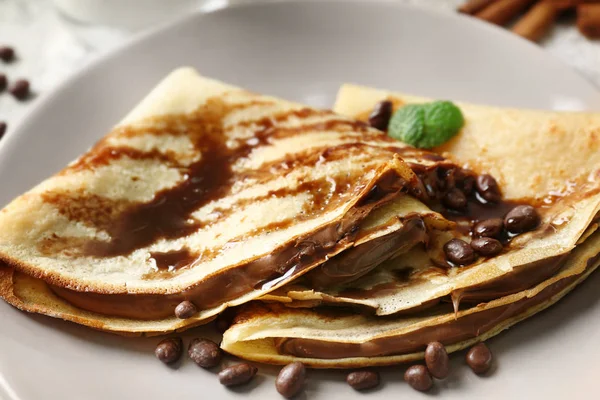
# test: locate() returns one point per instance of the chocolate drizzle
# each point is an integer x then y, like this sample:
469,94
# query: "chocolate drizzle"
173,260
169,214
223,150
105,155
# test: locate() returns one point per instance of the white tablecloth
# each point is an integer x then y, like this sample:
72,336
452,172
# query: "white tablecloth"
50,47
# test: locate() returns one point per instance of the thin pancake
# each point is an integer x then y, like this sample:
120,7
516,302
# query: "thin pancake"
259,329
411,224
33,295
533,154
547,158
204,192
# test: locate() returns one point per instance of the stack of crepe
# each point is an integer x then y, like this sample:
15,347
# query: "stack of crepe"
322,232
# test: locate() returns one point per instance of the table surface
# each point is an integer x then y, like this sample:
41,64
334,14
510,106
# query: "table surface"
51,47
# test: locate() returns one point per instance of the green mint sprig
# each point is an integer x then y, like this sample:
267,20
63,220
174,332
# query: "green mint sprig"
426,125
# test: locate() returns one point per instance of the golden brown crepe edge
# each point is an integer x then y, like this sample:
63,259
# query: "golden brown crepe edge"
273,357
37,298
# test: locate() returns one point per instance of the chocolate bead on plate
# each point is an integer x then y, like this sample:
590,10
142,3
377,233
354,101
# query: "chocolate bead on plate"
3,82
488,189
486,246
2,129
185,309
169,350
237,374
459,252
363,380
205,353
381,114
521,219
489,227
20,89
418,378
479,358
291,379
7,54
437,360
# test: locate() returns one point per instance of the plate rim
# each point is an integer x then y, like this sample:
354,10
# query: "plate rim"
11,141
216,6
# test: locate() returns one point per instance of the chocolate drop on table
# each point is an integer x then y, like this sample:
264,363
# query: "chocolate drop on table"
363,380
237,374
2,129
290,380
418,378
20,89
7,53
169,350
3,82
437,360
479,358
205,353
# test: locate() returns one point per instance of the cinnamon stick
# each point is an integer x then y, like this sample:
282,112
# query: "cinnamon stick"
588,20
474,6
502,12
538,20
566,4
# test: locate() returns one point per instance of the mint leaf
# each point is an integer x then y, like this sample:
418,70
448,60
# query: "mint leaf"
408,124
426,125
443,120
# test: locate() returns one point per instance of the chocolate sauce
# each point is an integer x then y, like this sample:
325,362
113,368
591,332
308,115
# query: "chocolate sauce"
108,154
522,278
402,274
477,211
262,273
433,157
360,260
168,214
387,288
454,331
173,260
440,179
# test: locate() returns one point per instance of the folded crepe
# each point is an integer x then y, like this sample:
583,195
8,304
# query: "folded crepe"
209,193
335,338
547,159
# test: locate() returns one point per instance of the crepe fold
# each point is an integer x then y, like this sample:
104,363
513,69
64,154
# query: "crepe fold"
548,159
209,193
335,338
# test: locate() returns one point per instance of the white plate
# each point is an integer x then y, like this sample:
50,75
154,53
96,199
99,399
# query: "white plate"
303,51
